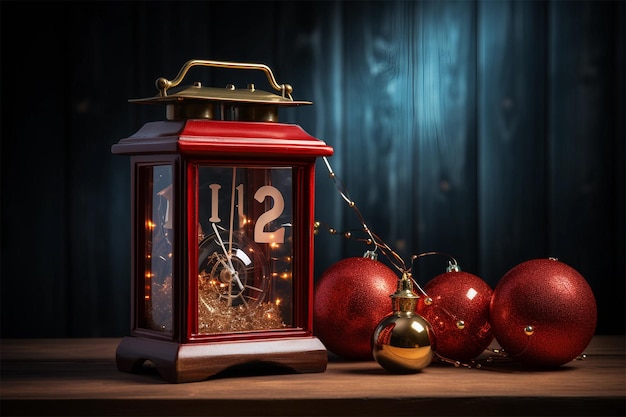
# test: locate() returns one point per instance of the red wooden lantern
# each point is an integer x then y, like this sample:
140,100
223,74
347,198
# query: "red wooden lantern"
222,232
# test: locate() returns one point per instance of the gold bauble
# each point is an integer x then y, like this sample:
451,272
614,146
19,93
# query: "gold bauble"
402,341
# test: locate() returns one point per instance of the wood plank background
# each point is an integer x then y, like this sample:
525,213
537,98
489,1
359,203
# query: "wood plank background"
490,130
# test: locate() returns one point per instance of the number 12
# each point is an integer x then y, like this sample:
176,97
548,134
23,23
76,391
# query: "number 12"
260,234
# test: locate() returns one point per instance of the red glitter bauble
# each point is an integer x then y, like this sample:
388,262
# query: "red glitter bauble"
350,298
457,307
543,313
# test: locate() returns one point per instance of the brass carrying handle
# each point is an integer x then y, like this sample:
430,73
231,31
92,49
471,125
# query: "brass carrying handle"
163,84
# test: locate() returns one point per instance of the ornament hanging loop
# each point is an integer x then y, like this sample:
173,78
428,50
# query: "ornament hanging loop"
452,263
452,266
371,254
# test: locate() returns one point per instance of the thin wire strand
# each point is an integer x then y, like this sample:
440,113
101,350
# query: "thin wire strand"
452,266
395,259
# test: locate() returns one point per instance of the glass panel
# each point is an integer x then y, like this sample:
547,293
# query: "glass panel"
156,223
245,250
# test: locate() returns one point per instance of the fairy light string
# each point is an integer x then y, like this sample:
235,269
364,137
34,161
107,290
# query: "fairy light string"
394,258
396,261
373,239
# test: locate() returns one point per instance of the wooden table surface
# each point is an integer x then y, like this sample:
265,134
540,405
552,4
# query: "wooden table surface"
79,377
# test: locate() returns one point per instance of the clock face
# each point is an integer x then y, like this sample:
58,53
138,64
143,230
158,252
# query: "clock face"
245,248
234,270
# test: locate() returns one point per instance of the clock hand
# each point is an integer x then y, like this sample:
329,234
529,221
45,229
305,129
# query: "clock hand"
232,210
231,228
233,272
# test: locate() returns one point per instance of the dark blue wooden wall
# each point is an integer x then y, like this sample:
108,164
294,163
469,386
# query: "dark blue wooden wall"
490,130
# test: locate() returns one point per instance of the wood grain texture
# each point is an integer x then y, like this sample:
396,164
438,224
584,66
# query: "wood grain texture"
35,195
313,63
374,161
78,377
444,134
585,147
512,123
490,130
97,186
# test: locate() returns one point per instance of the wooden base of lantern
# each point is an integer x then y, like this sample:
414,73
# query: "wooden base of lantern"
198,361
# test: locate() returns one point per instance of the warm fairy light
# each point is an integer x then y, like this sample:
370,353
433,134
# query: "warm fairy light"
150,225
278,301
149,275
216,316
147,297
285,275
274,245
